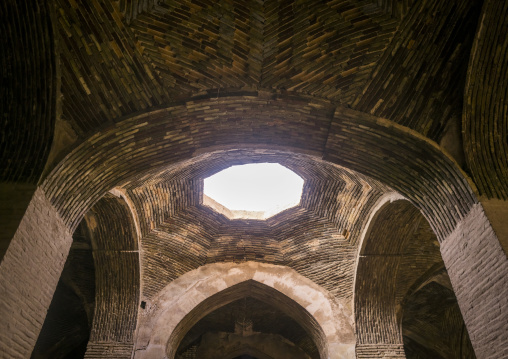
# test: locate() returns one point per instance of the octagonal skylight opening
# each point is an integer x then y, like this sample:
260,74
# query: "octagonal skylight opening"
253,191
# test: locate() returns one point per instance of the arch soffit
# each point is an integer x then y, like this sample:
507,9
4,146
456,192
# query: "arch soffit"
365,285
117,208
378,208
256,290
115,239
149,143
437,272
181,296
383,203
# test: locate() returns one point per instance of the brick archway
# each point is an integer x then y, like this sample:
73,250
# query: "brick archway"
177,307
389,153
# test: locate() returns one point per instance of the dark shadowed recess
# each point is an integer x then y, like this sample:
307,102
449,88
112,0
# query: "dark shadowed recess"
432,325
66,329
253,313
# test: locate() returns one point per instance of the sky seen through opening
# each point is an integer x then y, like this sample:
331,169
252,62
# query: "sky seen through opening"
260,187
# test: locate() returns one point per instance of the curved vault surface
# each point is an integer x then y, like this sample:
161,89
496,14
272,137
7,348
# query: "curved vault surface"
318,238
150,79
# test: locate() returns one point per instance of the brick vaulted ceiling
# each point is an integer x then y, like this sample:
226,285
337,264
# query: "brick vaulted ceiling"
322,230
391,59
116,60
122,59
394,59
392,66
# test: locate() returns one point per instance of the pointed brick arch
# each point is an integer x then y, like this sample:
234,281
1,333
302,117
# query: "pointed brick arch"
377,328
112,226
183,302
389,153
398,254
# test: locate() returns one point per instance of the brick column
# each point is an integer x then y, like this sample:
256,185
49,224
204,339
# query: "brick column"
29,273
478,270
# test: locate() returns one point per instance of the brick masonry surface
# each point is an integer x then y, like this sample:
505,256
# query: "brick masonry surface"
29,274
155,95
380,351
478,270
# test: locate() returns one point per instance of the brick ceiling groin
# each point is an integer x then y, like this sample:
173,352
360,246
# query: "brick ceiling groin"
425,95
176,50
127,57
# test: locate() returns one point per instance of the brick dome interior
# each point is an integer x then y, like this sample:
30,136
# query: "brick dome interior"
392,111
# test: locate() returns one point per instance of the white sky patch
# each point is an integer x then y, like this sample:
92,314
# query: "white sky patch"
264,187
